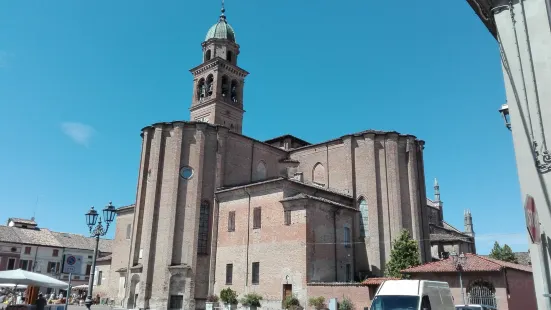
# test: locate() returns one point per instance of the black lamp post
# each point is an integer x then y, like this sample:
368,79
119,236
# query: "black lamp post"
97,231
505,114
459,261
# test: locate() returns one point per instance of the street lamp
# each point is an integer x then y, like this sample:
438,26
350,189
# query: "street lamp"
505,114
459,262
97,231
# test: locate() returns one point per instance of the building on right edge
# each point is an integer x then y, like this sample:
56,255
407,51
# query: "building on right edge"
523,33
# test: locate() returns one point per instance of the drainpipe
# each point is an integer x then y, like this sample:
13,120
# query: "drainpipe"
335,243
248,240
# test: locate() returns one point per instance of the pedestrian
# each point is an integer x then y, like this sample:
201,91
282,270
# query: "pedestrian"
41,302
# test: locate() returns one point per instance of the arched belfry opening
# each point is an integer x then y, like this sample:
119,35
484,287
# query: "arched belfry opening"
233,90
225,87
210,85
201,90
208,55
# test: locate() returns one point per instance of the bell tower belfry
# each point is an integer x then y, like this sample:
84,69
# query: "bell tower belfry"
218,82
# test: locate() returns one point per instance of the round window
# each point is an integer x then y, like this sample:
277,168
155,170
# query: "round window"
186,172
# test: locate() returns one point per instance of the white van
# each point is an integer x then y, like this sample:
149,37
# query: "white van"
413,295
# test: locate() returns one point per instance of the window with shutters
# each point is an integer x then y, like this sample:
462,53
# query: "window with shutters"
231,221
257,218
229,274
203,236
287,215
256,273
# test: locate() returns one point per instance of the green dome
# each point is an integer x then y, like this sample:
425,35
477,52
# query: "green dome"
221,30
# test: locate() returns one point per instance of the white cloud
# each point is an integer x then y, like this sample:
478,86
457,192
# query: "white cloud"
80,133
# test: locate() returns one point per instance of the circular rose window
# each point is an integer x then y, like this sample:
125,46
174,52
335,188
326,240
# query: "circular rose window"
186,172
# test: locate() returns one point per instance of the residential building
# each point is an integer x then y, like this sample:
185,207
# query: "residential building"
25,245
522,30
218,209
483,280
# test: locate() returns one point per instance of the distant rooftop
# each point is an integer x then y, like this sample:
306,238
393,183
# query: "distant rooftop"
23,231
14,221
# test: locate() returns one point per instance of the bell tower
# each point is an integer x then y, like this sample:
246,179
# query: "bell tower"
218,82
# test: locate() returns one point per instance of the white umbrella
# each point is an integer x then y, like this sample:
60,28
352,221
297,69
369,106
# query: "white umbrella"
12,285
20,276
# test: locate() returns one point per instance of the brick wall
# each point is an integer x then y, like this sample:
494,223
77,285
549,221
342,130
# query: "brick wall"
359,295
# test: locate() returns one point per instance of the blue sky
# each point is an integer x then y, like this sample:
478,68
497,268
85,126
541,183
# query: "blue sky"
78,80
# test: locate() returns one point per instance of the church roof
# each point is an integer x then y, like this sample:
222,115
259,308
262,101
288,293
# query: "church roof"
221,30
359,134
482,8
283,179
283,137
474,263
321,199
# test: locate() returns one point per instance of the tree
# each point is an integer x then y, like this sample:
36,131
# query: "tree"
504,253
496,251
404,254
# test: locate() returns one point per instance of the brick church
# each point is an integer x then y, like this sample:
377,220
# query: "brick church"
217,209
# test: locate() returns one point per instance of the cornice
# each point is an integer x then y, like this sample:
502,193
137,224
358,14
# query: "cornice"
221,63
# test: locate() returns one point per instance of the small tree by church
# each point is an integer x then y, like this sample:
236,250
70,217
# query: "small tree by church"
404,254
504,253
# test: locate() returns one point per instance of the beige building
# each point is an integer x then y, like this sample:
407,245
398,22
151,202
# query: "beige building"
216,209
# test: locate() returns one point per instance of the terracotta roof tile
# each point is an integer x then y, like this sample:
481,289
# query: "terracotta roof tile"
474,263
376,281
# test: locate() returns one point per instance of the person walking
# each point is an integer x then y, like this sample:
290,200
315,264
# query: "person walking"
41,302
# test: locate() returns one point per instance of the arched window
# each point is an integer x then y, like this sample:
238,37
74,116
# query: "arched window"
225,86
210,85
201,90
233,89
318,175
207,55
203,236
364,218
260,172
229,56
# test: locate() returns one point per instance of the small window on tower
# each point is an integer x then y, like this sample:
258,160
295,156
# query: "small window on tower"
207,55
229,56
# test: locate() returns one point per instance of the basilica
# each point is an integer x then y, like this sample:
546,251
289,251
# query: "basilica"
217,209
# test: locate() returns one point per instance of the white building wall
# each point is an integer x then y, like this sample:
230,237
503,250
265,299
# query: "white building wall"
530,112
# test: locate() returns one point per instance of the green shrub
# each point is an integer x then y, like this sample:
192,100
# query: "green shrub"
346,304
290,301
317,302
251,299
212,298
228,296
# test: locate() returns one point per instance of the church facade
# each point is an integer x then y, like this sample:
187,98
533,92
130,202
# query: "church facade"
217,209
